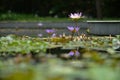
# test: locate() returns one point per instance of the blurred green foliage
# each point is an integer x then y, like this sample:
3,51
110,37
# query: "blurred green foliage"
93,64
13,44
60,8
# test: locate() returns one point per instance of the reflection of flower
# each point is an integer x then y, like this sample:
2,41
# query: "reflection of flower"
75,15
73,29
50,31
74,52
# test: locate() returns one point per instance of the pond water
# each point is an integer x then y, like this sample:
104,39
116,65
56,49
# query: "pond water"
33,28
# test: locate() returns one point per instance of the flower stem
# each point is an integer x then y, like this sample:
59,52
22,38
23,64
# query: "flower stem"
76,24
72,36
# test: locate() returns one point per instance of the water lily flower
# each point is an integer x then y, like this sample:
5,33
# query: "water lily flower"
75,15
40,35
74,52
54,35
50,31
40,24
73,29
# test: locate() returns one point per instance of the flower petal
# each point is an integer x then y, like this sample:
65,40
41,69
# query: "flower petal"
77,29
71,53
71,28
77,53
50,31
75,15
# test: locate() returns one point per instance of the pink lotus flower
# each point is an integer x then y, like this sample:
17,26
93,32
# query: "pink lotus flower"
50,31
73,29
76,15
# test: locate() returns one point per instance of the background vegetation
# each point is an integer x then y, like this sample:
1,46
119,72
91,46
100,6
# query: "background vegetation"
61,8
